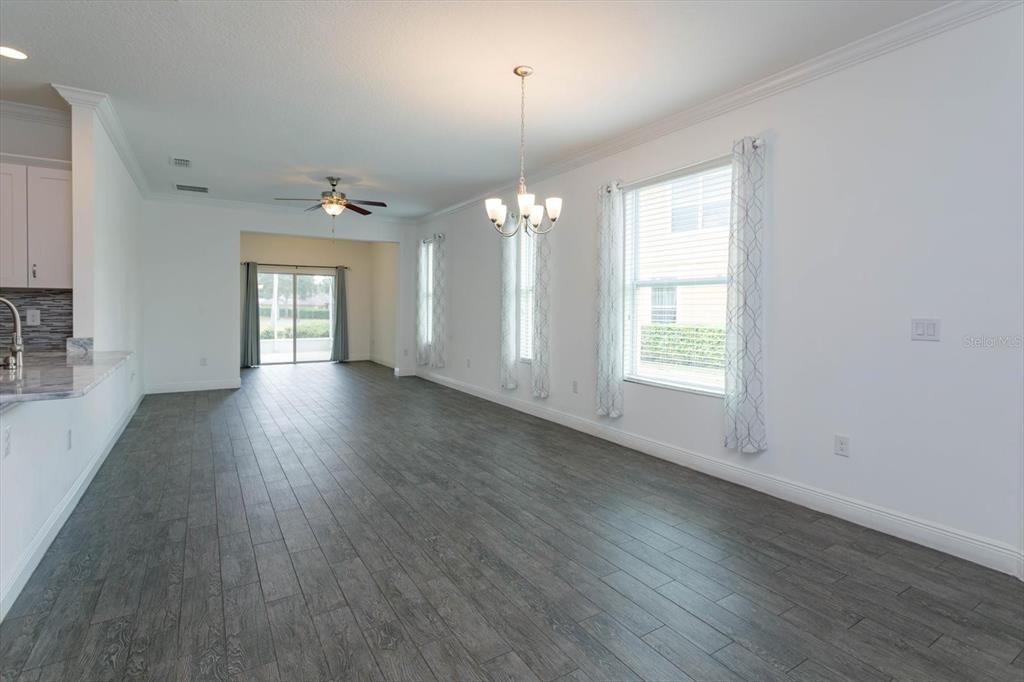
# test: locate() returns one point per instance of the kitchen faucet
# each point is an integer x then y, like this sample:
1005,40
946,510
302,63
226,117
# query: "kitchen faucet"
13,361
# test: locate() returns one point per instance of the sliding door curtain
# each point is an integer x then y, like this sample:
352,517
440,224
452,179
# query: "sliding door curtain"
251,317
339,349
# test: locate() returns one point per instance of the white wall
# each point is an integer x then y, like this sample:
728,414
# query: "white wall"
895,192
287,250
117,298
190,257
384,257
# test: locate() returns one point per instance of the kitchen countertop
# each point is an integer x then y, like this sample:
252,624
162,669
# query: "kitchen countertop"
55,375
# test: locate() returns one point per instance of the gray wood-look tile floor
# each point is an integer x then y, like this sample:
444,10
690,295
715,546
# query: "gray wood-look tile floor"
332,522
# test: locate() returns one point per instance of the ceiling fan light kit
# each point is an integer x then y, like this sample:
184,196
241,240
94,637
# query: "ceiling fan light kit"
531,214
334,202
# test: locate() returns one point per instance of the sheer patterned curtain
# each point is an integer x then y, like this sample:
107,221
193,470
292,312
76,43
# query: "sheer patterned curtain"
745,428
424,296
541,361
507,358
250,316
438,305
609,301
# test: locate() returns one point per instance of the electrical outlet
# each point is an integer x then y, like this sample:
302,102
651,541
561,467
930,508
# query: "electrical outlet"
575,386
7,442
69,439
842,446
469,363
202,362
32,317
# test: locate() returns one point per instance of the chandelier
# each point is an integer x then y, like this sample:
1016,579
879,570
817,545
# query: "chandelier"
531,215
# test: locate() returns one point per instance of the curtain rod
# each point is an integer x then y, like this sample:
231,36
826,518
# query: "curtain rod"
290,265
665,175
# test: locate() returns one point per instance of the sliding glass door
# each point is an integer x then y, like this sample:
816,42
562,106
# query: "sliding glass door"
296,315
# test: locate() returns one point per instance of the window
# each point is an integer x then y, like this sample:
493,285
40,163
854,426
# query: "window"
663,305
676,252
426,293
698,203
527,266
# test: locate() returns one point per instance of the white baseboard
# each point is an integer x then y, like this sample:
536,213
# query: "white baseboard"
41,542
405,372
980,550
382,361
186,386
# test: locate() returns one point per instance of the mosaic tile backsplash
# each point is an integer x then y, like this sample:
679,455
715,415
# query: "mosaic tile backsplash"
55,319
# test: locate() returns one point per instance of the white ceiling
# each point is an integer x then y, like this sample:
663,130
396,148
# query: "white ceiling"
410,102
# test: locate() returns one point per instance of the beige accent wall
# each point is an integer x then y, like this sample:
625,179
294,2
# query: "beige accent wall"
359,257
384,301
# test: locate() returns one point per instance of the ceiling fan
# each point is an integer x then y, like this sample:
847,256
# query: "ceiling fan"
334,202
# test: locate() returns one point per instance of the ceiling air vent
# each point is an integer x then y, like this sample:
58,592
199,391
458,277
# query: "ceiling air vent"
181,163
192,188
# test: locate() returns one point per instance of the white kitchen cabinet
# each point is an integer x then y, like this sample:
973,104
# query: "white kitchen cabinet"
49,228
13,226
35,227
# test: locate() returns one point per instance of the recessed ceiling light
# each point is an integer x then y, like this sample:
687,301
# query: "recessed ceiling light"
11,53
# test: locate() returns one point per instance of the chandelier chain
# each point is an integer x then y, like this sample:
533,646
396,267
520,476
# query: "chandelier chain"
522,131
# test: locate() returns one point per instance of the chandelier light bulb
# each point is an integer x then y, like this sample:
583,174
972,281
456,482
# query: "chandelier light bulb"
554,206
491,206
525,204
500,214
333,209
536,215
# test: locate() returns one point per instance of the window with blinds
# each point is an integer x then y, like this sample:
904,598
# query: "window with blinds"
676,257
527,264
426,292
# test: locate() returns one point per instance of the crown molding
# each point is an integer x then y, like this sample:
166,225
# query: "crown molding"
112,124
29,112
101,103
78,97
913,30
40,161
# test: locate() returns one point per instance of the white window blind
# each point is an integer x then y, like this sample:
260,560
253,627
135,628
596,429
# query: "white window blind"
527,276
426,289
676,256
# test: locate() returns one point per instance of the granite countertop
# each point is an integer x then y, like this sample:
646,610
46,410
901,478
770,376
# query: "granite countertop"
53,375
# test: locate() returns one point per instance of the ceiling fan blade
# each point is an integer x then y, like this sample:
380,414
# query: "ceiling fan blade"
367,203
358,209
313,207
294,199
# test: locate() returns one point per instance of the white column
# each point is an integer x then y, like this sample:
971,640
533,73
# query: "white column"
84,123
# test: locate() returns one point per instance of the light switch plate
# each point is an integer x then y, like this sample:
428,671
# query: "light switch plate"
925,329
32,317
